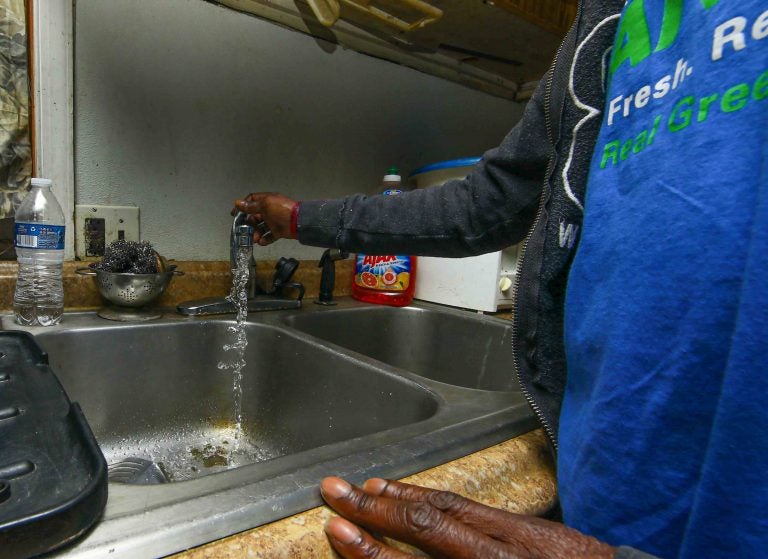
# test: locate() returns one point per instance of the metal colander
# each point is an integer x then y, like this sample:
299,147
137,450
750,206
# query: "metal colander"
131,290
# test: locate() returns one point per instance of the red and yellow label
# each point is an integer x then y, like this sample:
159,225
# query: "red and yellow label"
383,273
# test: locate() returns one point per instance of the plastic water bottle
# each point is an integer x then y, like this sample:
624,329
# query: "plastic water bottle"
39,241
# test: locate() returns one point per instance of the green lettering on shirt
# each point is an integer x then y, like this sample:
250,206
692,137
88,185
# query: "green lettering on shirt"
633,40
673,15
760,91
680,119
610,153
735,98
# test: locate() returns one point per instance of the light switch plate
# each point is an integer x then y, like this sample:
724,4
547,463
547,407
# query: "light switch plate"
97,226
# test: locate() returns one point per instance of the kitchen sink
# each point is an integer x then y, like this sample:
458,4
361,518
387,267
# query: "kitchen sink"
299,395
355,390
451,348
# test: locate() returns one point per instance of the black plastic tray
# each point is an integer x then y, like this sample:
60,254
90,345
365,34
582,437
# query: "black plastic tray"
53,477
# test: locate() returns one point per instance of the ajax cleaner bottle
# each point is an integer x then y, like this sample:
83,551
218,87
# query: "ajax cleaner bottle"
388,279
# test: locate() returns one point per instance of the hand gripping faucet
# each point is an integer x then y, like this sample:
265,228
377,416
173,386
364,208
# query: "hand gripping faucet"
241,237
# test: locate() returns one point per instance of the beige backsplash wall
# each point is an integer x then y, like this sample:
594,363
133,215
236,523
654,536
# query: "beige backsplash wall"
181,106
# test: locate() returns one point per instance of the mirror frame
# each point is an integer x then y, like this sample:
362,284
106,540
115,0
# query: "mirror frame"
51,33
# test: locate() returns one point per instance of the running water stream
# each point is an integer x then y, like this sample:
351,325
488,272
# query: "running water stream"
239,297
214,446
218,448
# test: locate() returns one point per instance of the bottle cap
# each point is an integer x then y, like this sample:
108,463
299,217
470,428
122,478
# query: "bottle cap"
41,182
393,175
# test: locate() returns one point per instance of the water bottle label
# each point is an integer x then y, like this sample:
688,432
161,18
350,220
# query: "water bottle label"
383,273
38,235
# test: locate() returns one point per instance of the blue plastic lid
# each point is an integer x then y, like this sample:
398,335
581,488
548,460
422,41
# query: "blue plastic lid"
463,162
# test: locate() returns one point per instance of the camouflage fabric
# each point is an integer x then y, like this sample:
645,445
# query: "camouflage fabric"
15,149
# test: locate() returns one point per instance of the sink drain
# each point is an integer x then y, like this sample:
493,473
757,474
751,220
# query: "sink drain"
136,471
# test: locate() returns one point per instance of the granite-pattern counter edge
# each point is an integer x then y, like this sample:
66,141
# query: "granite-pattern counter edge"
517,475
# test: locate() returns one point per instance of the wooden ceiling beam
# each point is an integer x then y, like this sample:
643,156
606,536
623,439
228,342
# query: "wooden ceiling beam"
554,16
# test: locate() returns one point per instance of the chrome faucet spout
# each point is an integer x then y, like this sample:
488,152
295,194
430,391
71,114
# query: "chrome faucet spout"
244,236
241,238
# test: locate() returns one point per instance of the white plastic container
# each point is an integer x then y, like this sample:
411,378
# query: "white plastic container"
39,240
482,283
436,174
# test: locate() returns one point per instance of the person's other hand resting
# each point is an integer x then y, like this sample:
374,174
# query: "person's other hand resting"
443,524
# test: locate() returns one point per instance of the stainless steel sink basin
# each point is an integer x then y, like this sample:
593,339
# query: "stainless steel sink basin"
355,390
297,394
454,348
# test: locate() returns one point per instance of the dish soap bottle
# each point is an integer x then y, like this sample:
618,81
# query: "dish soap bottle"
386,279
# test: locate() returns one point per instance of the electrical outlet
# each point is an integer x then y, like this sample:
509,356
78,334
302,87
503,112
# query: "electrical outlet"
97,226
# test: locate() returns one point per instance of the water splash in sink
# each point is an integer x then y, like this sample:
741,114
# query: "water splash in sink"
182,455
239,297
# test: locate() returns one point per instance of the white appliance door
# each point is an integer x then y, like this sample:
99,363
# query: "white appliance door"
471,283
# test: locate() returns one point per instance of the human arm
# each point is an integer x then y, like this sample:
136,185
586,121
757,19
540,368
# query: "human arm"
444,525
492,208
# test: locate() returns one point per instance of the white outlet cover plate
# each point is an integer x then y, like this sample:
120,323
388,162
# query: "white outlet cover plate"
116,219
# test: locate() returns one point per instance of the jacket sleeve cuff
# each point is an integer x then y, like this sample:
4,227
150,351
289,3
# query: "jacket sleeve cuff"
318,222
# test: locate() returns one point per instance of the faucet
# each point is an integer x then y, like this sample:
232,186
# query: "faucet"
241,236
328,275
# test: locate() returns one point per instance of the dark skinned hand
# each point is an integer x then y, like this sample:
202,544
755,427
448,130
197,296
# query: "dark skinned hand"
270,208
445,525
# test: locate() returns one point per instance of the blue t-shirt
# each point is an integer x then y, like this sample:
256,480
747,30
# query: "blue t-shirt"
664,427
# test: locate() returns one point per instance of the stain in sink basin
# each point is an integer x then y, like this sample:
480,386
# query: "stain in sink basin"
211,456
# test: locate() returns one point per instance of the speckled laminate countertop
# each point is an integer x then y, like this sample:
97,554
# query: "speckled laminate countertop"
517,475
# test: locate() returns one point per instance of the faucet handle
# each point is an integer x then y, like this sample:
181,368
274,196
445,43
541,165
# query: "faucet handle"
284,270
